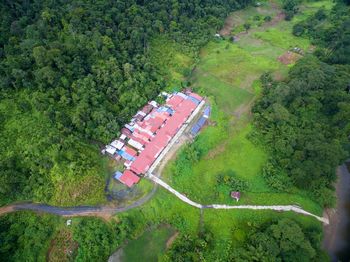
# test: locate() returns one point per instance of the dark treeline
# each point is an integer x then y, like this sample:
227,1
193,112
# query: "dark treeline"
30,237
280,240
304,121
71,73
87,62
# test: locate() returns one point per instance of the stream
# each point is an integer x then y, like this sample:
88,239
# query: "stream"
337,234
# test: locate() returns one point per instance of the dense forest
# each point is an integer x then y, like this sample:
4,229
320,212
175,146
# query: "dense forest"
304,121
26,235
280,240
71,73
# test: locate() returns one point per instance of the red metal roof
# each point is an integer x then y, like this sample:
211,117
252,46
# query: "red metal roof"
126,132
130,151
173,124
141,164
162,115
142,135
147,108
155,124
152,151
183,109
187,106
141,141
129,178
196,96
174,101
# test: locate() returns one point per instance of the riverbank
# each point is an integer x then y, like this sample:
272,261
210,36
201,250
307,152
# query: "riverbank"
337,234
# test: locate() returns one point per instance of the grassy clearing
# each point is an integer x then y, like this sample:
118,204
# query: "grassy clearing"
228,74
222,92
149,246
253,16
308,8
275,37
233,225
237,154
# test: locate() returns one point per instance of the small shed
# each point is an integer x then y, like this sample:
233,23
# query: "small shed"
198,126
110,149
147,109
206,112
153,103
236,195
117,144
126,132
117,175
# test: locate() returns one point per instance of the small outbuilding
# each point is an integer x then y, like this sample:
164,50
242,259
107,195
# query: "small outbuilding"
236,195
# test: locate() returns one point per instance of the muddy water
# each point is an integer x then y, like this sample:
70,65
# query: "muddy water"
337,233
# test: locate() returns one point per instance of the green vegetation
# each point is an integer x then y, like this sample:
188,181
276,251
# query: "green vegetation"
254,16
150,246
42,237
71,74
277,38
279,240
286,154
173,59
24,235
96,239
315,95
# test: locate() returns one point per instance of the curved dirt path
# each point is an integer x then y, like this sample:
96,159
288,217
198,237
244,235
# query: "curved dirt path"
109,210
102,211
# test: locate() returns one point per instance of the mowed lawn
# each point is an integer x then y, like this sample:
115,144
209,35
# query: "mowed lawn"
149,246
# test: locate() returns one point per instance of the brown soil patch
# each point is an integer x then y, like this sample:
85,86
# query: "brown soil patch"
226,30
216,151
171,240
62,247
289,58
6,209
107,216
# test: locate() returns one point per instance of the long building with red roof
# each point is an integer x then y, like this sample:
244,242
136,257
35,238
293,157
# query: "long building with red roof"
183,109
151,134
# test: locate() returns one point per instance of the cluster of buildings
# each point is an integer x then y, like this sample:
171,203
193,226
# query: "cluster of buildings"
149,132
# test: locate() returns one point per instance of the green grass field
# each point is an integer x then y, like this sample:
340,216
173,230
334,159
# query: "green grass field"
149,246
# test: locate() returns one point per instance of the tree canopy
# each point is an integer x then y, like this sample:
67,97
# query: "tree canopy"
71,74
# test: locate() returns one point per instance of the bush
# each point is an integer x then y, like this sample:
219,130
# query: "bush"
230,180
275,178
298,29
267,18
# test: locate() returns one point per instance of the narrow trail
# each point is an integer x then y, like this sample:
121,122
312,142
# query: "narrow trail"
185,199
102,210
78,210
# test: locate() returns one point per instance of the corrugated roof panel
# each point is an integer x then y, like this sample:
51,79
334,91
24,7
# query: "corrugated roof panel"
193,100
196,96
129,178
206,112
117,175
195,129
174,101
